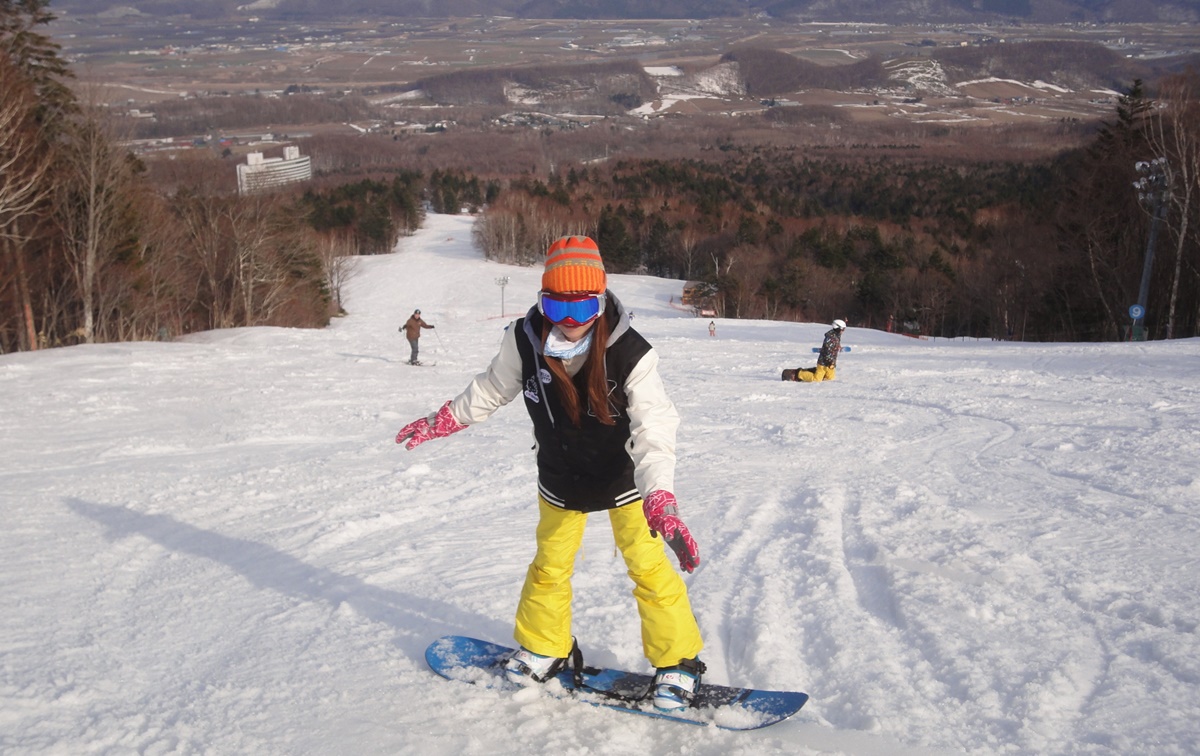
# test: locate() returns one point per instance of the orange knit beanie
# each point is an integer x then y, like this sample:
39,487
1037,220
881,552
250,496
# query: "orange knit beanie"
573,264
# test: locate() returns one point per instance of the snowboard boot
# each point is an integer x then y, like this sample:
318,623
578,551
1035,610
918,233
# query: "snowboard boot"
675,687
524,667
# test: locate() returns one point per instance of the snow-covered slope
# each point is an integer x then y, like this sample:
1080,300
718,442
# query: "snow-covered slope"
214,546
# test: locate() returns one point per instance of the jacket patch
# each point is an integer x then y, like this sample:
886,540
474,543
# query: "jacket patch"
531,391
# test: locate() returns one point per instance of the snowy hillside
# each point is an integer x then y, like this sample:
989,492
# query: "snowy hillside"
214,546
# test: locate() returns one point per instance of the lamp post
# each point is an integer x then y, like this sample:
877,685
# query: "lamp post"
502,281
1152,191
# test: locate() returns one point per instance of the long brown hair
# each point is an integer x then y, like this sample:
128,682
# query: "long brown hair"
595,372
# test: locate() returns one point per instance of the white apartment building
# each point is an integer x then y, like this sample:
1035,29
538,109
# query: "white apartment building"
259,173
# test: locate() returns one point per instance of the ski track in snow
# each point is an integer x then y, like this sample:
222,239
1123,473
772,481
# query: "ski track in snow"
214,546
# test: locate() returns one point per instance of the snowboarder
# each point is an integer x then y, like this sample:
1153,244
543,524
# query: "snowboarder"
826,367
412,331
605,432
712,328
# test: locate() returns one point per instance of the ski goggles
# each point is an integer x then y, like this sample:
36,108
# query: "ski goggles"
570,309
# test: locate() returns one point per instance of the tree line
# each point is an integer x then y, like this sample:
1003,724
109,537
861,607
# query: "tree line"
93,248
97,245
1039,250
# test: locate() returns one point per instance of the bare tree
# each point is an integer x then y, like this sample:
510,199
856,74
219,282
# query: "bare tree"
1175,135
502,234
167,294
95,186
339,258
518,228
25,169
268,248
204,217
689,238
257,277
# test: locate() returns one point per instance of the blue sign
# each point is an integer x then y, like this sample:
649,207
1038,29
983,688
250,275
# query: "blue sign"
1136,311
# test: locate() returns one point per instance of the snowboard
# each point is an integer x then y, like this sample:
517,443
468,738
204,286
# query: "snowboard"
817,350
470,660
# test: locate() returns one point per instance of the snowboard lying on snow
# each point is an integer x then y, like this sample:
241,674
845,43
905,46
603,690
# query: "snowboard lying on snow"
467,659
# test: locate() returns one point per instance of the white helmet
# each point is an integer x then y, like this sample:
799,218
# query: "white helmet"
839,324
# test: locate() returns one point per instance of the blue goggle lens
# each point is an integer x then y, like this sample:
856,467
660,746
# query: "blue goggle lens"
573,311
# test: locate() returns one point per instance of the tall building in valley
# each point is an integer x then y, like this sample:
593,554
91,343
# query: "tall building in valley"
259,173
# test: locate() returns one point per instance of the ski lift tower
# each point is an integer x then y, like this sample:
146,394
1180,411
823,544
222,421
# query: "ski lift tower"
502,281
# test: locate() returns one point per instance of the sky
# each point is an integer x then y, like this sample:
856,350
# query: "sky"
214,546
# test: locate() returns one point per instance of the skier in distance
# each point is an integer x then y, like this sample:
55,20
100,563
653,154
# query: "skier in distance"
412,331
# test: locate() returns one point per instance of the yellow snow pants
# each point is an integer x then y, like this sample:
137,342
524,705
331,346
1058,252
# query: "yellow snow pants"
669,630
817,374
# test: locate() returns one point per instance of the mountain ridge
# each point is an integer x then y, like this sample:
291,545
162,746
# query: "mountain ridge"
863,11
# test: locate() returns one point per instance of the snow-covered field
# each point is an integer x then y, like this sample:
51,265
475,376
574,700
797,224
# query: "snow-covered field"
213,545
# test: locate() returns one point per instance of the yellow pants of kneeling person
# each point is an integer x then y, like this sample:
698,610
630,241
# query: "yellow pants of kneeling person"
669,630
818,374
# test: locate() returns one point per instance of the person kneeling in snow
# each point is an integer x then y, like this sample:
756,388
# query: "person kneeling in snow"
831,347
605,432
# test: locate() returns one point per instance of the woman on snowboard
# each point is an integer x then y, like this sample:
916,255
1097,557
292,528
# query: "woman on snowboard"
605,433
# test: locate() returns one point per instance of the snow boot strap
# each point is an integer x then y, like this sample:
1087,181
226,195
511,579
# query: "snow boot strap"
691,666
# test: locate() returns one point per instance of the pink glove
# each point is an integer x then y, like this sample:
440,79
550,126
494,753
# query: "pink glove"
662,515
442,425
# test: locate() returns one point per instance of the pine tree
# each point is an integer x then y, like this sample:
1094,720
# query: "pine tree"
35,54
1129,129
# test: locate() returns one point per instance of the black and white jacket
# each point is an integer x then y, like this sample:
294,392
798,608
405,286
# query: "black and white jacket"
595,466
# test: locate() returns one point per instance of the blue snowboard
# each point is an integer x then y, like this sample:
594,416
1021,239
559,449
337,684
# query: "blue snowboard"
818,349
457,658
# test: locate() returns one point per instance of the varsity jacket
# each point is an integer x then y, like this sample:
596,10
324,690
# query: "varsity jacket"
595,466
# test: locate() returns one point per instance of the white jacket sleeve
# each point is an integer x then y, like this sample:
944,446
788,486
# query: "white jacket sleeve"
493,388
653,421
